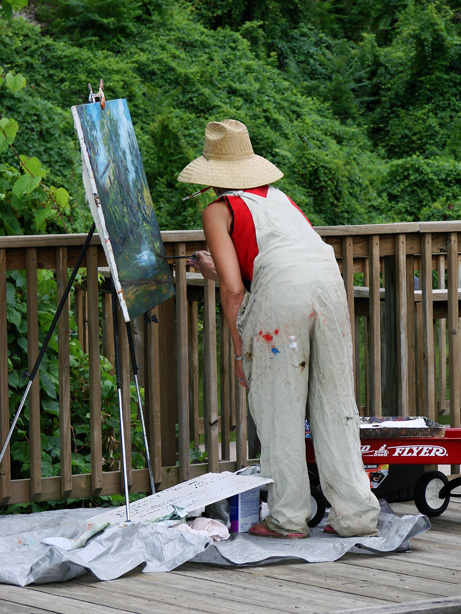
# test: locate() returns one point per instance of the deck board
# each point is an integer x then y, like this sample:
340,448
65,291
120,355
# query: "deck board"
432,570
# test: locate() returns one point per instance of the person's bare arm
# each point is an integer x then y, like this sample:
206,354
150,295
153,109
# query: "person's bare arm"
216,221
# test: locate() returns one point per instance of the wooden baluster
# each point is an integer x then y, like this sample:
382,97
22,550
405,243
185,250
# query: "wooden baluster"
152,379
194,375
241,435
95,370
442,340
225,371
454,333
402,325
34,394
348,277
374,373
428,324
357,366
86,326
210,397
233,386
79,318
182,364
366,341
168,380
5,467
389,335
421,403
137,327
411,335
64,376
108,349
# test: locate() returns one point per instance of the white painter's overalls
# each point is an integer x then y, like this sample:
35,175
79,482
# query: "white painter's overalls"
297,347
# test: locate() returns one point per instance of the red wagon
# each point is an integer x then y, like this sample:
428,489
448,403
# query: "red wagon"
431,445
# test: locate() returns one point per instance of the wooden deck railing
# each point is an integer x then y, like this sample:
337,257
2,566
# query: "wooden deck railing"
407,351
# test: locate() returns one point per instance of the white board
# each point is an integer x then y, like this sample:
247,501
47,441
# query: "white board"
190,495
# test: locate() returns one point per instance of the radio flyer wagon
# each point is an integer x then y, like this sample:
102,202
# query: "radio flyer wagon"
410,441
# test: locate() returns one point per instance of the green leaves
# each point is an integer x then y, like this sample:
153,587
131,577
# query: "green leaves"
60,197
15,82
8,6
8,130
32,177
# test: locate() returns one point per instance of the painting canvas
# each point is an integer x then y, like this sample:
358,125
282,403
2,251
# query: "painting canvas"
122,207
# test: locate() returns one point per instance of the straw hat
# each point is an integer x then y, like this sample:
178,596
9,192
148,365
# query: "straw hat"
228,160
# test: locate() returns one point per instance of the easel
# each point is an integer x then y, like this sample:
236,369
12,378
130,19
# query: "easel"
100,98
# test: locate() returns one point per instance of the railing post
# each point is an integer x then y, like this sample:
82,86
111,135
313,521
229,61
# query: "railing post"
411,333
95,373
210,377
194,376
241,436
442,341
454,333
389,354
374,332
225,371
168,369
107,321
348,277
401,317
428,324
64,376
182,364
34,395
5,467
152,398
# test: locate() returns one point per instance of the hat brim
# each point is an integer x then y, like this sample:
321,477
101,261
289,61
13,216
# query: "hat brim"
247,173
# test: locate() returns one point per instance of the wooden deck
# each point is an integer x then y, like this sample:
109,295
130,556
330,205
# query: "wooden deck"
431,573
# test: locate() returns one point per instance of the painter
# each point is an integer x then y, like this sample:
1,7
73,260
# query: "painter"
285,303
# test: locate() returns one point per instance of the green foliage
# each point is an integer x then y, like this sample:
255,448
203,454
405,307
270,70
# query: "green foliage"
429,188
26,203
85,21
331,92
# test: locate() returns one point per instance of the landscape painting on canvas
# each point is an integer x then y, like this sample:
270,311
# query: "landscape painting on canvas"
128,213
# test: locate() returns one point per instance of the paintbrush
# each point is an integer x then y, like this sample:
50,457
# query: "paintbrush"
177,257
196,193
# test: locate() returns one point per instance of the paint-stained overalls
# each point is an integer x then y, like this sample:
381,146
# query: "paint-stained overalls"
297,347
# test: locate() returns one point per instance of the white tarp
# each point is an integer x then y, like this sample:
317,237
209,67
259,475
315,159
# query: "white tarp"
26,558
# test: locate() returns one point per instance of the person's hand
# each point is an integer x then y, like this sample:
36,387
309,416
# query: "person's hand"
203,262
240,375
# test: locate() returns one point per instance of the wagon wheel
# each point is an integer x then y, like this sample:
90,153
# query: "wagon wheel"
318,507
427,493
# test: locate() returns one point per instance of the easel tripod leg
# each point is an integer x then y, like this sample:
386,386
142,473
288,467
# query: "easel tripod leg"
120,404
135,368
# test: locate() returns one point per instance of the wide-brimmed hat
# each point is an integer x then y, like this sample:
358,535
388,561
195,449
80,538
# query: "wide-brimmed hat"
228,160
